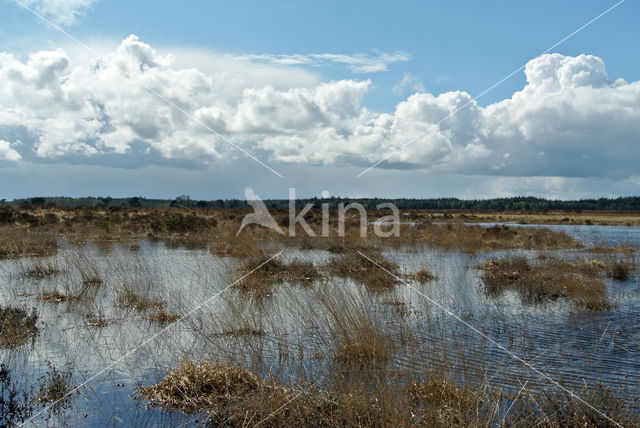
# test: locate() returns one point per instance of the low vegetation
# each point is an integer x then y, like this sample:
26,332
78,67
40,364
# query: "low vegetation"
236,397
17,326
580,282
22,243
371,269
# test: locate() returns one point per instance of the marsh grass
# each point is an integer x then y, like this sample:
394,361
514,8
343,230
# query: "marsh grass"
15,243
549,279
163,317
17,326
422,275
40,269
55,387
129,298
473,239
375,271
236,397
87,269
260,273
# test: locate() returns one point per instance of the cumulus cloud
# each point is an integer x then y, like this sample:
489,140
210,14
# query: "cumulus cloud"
408,82
7,153
357,63
63,12
570,119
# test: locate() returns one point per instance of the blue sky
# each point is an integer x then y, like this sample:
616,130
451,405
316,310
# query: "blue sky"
397,48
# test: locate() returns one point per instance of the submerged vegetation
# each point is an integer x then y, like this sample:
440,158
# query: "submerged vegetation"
17,326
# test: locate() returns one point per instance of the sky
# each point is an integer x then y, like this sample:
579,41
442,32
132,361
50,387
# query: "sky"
390,99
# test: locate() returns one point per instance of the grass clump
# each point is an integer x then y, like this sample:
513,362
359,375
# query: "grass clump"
621,270
375,271
472,239
200,385
163,317
260,272
548,279
55,386
422,275
16,243
17,326
130,299
41,270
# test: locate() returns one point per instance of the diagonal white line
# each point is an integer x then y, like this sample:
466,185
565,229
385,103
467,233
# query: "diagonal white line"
150,339
153,92
490,88
492,341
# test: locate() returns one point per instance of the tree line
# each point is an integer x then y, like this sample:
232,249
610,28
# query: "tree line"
522,203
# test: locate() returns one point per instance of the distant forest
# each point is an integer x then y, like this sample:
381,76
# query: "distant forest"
499,204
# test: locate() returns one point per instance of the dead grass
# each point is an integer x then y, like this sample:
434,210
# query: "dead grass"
163,317
612,250
422,275
55,297
40,269
477,238
17,326
88,270
245,331
200,385
550,279
262,271
375,271
130,299
16,242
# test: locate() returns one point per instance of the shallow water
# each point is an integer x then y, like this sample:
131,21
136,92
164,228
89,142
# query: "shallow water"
507,341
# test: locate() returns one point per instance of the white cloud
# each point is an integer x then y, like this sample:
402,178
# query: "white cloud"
357,63
408,82
569,120
63,12
7,153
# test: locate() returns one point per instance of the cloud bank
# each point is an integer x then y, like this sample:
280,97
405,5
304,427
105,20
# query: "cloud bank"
569,120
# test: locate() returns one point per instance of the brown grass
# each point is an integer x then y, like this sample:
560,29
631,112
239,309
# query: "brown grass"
55,296
197,385
163,317
17,326
549,279
477,238
131,300
40,270
375,271
422,275
612,250
262,271
245,331
236,397
16,242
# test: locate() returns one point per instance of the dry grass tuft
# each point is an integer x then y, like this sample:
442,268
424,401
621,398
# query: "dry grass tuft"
16,242
131,300
194,386
423,275
17,326
551,279
55,297
612,250
471,238
163,317
260,272
375,271
245,331
40,270
621,270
